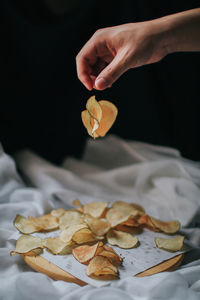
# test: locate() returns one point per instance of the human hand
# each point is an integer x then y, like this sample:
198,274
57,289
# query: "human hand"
112,51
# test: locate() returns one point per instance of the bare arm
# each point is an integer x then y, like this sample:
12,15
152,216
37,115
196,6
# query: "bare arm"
112,51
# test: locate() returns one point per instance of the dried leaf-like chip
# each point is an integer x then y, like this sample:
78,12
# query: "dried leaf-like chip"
98,226
45,222
171,245
116,217
85,253
24,225
27,243
67,234
94,109
57,246
122,239
95,209
84,235
57,212
69,218
109,114
101,266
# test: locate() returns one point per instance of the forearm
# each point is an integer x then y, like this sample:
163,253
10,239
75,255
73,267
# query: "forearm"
182,31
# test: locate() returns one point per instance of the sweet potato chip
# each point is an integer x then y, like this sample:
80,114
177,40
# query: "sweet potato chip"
95,209
85,253
69,218
27,243
67,234
101,266
57,212
98,226
24,225
122,239
45,222
171,245
57,246
83,235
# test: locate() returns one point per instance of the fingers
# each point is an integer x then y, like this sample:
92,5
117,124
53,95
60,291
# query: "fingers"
83,72
111,73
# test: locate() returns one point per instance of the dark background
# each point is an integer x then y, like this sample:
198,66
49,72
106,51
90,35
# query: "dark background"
41,97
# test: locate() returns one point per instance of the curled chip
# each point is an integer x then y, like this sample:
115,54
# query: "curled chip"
171,245
95,209
128,207
67,234
24,225
85,253
101,266
69,218
57,246
116,217
57,212
99,117
84,235
27,243
98,226
108,252
45,222
122,239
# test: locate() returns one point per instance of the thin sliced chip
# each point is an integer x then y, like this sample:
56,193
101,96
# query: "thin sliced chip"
128,207
24,225
45,222
170,227
27,243
34,252
57,246
94,109
85,253
109,114
57,212
67,234
171,245
86,119
98,226
122,239
84,235
69,218
147,222
116,217
95,209
111,255
132,230
100,266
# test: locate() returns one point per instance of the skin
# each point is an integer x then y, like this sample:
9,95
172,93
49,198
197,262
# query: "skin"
112,51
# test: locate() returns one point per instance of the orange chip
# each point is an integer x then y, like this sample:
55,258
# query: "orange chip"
85,253
101,266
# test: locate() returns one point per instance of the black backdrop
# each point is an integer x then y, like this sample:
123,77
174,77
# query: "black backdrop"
41,97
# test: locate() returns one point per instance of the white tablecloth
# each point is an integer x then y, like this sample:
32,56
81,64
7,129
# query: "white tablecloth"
167,185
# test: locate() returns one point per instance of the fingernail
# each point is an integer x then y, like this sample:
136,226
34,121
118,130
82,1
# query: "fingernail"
101,83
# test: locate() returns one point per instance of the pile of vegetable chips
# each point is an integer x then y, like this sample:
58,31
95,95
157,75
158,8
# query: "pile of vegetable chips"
86,231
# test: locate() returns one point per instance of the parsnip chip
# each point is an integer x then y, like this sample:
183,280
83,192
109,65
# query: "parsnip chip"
27,243
101,266
86,119
95,209
171,245
85,253
57,246
170,227
67,234
109,114
98,226
24,225
69,218
84,235
45,222
57,212
94,109
116,217
122,239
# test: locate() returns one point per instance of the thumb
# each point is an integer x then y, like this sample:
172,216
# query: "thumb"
110,74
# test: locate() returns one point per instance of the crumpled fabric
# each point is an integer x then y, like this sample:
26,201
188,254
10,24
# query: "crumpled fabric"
167,185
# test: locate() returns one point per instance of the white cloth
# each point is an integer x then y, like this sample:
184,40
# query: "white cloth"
167,185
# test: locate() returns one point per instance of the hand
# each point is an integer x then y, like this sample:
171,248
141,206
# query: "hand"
112,51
